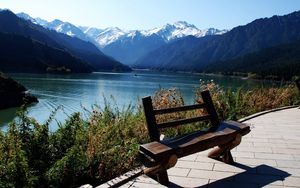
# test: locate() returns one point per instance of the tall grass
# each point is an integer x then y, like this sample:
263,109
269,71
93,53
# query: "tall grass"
106,144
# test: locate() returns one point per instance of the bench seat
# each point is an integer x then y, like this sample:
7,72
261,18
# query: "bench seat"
194,142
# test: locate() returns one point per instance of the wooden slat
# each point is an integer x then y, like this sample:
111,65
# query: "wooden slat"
156,150
210,110
182,121
179,109
297,82
150,118
193,143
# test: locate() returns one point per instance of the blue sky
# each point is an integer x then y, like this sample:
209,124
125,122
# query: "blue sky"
146,14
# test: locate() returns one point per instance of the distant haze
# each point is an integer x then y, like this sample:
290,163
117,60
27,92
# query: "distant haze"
145,14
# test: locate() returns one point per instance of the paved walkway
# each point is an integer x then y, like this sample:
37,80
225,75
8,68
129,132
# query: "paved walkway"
269,156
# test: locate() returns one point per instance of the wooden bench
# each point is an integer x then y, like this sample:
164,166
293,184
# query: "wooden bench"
159,155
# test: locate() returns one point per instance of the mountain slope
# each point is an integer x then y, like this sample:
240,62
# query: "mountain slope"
193,54
128,46
22,54
86,51
132,46
281,62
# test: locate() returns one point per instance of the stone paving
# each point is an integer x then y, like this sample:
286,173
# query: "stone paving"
269,156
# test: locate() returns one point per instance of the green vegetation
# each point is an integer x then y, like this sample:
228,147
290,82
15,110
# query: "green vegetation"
106,144
13,94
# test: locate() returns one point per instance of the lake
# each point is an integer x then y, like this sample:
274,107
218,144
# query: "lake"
75,91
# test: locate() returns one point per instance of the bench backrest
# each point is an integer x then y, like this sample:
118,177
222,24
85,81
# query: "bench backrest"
154,127
297,82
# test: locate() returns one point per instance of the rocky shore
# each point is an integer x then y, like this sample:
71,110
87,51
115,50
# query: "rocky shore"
13,94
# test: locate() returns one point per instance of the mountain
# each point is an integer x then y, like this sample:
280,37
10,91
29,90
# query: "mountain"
278,62
58,25
132,46
181,29
10,23
22,54
193,54
38,21
91,32
128,46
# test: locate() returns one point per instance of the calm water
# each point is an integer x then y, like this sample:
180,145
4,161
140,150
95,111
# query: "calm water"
73,92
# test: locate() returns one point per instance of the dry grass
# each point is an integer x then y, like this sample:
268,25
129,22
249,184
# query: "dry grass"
106,145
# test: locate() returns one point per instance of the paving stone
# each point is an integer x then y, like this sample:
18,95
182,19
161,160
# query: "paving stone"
256,162
274,156
292,181
179,171
286,151
195,165
255,149
245,154
210,174
230,168
292,171
270,186
246,144
271,145
251,139
230,184
206,159
288,164
189,158
187,182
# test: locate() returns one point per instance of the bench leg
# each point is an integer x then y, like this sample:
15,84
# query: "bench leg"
222,153
227,158
159,172
162,178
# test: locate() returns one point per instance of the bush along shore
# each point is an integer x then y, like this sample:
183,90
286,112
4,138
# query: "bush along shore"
13,94
106,144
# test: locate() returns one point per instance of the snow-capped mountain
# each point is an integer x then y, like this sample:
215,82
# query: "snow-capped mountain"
38,21
167,32
92,32
67,28
180,29
126,46
109,35
104,37
57,25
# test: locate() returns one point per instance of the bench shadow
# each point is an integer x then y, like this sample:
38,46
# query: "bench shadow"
259,176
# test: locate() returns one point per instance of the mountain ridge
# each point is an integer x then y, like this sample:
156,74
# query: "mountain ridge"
88,52
127,46
193,54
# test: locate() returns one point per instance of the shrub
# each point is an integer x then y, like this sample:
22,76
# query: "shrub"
106,145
